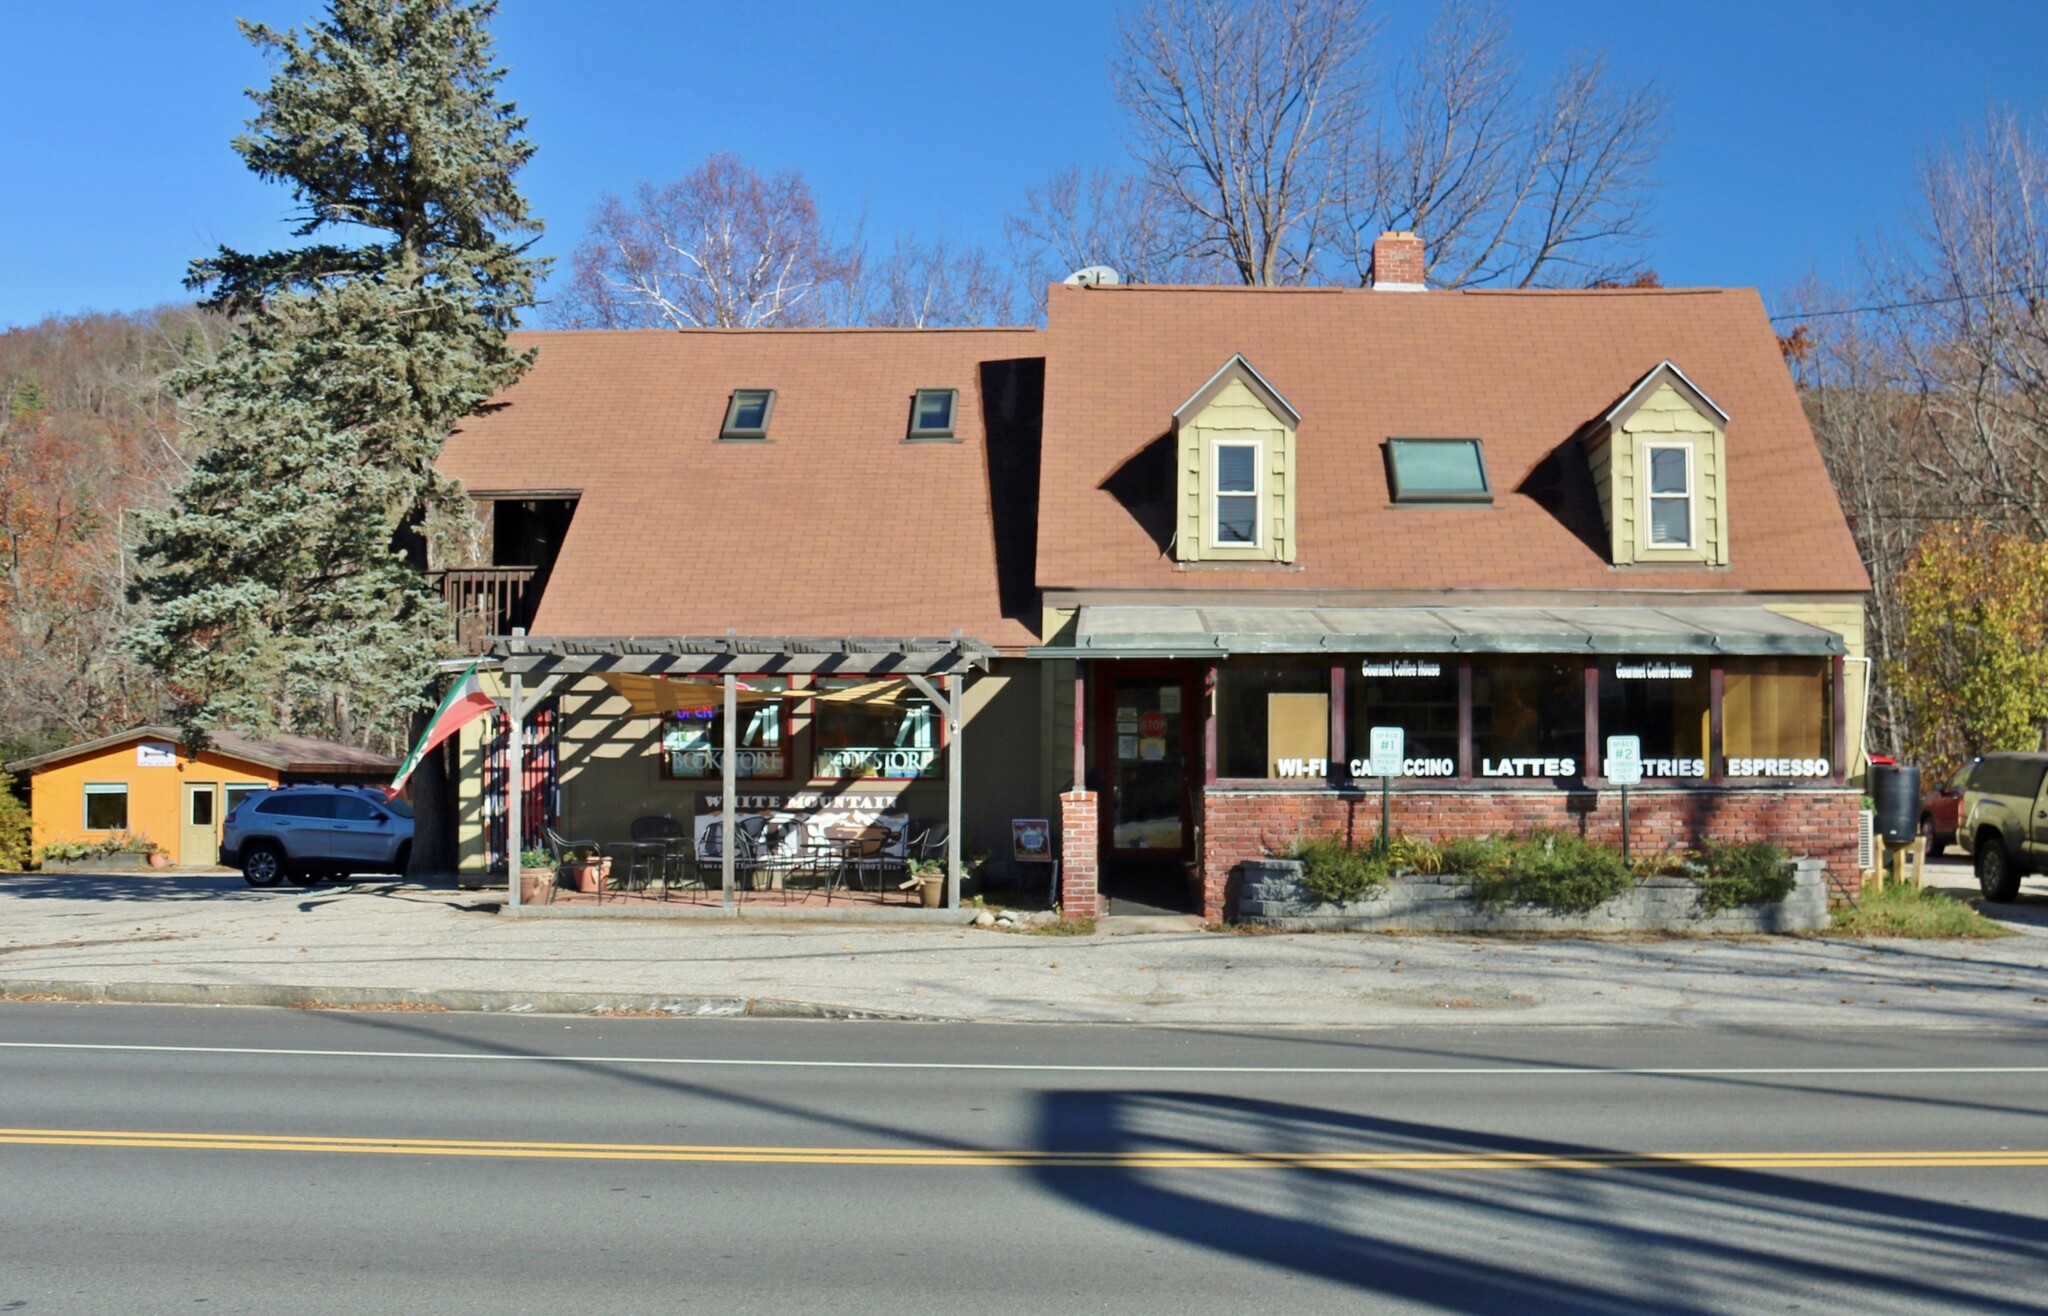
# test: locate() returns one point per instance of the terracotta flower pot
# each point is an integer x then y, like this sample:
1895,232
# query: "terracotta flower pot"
158,859
536,886
592,876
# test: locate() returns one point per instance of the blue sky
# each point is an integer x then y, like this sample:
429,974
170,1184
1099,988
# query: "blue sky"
1794,127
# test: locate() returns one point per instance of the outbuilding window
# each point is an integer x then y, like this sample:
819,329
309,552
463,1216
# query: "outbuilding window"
931,413
1670,488
1236,521
746,417
1437,471
106,808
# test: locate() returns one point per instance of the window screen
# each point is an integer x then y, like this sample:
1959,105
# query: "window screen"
1670,497
1438,471
1237,493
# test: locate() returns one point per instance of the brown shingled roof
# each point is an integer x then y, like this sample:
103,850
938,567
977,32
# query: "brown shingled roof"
1524,371
286,753
834,526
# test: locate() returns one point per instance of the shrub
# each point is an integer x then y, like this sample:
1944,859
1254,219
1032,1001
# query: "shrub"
1554,870
1738,873
1334,873
14,827
1471,858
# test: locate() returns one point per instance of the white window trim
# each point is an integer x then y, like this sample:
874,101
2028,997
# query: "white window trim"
93,788
1257,494
1650,497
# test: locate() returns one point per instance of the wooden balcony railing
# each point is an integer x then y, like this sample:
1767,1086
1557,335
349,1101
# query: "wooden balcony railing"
487,601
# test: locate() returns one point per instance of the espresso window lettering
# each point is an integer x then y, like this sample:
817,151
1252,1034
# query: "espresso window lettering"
1266,720
1418,695
1662,702
1775,719
1528,717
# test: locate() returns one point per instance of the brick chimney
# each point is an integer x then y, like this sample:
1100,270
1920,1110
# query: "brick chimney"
1397,262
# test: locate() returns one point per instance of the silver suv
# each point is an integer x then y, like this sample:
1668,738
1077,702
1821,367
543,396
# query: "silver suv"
2005,821
308,832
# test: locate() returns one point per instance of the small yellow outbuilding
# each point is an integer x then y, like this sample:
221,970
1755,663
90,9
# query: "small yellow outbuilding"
146,785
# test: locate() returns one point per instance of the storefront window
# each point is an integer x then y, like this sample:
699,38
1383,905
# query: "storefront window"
1663,702
1775,720
1418,695
1528,716
693,742
888,731
1273,720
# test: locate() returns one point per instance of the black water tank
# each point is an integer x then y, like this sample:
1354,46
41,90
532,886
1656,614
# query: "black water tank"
1897,793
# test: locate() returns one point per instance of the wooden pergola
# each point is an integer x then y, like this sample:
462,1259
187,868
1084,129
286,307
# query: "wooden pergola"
535,665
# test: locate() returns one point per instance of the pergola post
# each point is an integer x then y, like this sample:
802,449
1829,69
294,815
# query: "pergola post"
948,699
729,774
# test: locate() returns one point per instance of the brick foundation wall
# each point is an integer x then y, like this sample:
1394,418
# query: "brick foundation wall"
1241,824
1080,890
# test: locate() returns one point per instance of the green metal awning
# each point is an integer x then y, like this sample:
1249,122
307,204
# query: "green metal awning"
1190,631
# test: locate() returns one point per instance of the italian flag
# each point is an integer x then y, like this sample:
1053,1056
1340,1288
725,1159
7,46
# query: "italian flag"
464,702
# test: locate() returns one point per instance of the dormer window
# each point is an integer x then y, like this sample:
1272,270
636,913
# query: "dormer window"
1234,477
746,417
1437,471
1659,460
1235,523
931,413
1670,494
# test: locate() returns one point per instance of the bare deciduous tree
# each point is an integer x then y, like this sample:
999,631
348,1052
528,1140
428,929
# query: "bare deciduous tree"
1073,220
1968,317
1505,187
720,247
1249,119
1258,125
932,285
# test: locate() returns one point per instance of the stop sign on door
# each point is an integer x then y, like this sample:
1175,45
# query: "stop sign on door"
1152,724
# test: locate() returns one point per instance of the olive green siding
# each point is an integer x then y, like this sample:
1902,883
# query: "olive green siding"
1620,476
1236,414
1847,621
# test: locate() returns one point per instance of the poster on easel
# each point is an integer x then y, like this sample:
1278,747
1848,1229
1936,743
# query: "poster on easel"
1031,840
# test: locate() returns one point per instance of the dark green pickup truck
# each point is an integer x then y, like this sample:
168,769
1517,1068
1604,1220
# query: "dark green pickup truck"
2005,821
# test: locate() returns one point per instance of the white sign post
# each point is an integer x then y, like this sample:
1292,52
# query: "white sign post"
1624,767
1388,744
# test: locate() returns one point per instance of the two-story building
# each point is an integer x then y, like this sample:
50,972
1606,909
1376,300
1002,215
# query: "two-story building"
1160,570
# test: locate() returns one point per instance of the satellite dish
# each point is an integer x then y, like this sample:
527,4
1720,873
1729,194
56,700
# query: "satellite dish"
1095,276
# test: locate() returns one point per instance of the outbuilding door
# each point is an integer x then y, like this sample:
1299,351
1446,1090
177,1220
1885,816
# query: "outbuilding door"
198,825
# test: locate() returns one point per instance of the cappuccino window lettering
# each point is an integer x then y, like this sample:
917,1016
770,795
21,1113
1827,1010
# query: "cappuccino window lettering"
1418,695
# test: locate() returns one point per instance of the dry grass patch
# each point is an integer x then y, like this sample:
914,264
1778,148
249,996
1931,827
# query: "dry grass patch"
1904,911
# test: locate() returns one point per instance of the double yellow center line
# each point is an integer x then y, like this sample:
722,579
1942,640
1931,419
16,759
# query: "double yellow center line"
949,1157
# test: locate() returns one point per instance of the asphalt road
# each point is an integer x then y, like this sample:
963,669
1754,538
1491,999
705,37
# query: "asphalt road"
165,1158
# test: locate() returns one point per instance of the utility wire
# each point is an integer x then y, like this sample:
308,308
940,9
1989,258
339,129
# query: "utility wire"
1925,301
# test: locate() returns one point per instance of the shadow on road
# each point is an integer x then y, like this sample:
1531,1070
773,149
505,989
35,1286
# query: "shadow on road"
179,888
1613,1240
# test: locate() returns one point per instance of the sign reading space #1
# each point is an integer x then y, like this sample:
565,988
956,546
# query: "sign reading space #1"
1388,744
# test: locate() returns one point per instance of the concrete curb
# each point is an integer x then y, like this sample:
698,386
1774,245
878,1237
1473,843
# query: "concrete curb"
958,918
281,996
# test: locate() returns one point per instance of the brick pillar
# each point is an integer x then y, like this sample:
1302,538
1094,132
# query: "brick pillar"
1080,896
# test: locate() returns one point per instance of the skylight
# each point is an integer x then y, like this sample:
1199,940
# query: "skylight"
747,415
1438,471
931,413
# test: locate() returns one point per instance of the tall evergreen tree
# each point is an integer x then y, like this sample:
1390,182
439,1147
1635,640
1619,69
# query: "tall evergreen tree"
289,582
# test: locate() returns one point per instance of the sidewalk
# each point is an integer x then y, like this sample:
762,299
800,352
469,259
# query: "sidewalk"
211,938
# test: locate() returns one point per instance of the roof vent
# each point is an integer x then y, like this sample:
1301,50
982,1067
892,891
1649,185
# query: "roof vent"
1095,276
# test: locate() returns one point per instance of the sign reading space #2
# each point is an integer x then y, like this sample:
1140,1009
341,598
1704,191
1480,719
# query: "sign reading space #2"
1625,760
